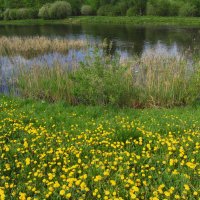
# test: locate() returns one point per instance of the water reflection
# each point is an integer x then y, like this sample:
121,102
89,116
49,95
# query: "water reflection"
132,39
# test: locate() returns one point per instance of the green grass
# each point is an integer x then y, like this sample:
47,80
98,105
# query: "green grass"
142,20
58,151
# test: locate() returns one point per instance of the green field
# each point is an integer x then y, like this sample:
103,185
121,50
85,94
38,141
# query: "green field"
56,151
142,20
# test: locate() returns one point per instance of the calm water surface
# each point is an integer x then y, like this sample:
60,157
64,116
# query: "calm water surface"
126,38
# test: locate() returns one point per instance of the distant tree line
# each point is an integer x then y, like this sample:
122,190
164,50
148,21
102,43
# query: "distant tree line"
101,7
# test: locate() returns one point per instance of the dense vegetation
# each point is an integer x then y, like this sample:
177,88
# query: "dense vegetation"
102,78
99,7
54,151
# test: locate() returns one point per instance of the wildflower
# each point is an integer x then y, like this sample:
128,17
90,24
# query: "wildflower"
167,194
97,178
186,187
62,192
28,161
112,182
68,195
191,165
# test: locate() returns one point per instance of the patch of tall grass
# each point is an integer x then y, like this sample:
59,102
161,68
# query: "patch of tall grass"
149,81
30,46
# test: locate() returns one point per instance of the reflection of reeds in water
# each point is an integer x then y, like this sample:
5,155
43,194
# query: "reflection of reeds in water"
152,80
33,46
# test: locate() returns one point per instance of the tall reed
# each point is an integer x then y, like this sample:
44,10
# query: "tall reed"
149,81
31,46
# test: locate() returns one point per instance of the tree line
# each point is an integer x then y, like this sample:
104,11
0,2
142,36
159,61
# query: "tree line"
116,7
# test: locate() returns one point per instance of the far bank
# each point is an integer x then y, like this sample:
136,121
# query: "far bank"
140,20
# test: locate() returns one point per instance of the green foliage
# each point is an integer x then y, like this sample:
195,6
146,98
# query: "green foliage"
159,7
76,6
121,8
102,82
86,10
187,10
60,10
21,13
44,11
115,7
174,8
132,12
108,10
140,6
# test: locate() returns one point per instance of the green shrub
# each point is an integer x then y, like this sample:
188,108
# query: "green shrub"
187,10
86,10
121,8
102,82
131,12
60,10
44,11
159,7
26,13
22,13
108,10
13,14
174,8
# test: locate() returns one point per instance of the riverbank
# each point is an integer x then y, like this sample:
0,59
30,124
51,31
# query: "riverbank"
142,20
99,152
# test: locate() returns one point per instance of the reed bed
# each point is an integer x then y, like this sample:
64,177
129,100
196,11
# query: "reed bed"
148,81
27,46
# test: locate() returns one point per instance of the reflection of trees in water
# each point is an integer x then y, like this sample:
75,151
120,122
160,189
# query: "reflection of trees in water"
137,36
126,38
109,47
185,38
41,30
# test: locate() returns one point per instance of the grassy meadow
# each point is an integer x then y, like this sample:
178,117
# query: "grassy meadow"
56,151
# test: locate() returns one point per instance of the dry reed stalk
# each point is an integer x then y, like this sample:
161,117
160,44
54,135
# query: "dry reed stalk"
37,45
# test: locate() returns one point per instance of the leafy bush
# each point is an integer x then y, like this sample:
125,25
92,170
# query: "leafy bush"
86,10
22,13
121,8
187,10
60,10
174,8
26,13
44,11
12,14
101,82
159,7
131,12
108,10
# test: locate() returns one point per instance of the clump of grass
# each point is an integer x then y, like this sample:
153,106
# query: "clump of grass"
164,80
27,46
51,84
149,81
